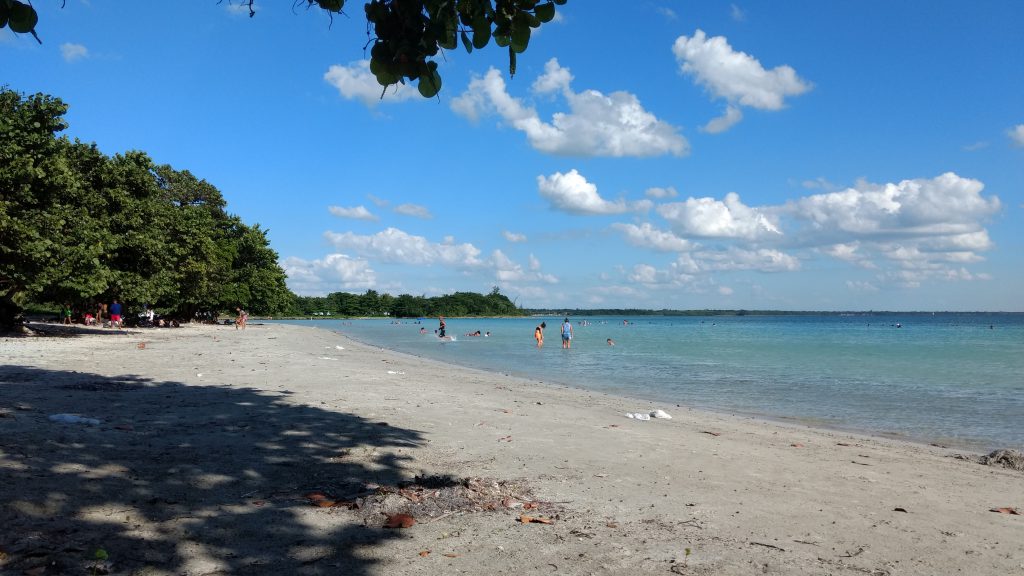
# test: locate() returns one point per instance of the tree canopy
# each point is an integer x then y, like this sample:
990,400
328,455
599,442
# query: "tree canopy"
405,35
80,227
407,306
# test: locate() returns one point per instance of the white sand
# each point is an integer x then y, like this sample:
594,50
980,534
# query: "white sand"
213,442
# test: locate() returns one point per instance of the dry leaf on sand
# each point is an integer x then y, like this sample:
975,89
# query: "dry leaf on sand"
399,521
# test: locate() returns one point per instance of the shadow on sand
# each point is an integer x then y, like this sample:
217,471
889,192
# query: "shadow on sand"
182,479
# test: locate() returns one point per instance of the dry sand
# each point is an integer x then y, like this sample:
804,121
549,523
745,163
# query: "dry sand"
220,451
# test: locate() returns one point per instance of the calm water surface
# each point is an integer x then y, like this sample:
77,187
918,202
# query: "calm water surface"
956,379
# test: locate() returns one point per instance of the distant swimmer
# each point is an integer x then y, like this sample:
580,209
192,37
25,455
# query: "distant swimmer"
538,334
611,342
423,330
477,333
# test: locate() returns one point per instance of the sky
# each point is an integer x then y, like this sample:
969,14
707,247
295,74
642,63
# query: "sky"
799,155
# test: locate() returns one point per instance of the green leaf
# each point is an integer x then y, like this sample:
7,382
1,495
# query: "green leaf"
332,5
481,33
23,17
511,61
502,40
430,82
545,12
4,13
520,38
560,2
465,42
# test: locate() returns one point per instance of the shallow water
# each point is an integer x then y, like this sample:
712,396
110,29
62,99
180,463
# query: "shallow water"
953,379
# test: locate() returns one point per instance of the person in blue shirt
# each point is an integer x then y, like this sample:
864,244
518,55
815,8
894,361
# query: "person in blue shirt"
566,334
115,314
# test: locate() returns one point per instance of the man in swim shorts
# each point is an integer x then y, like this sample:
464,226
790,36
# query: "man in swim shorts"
115,314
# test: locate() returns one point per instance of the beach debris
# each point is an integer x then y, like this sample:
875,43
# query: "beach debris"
1012,459
73,419
450,555
898,509
141,346
396,372
505,439
638,415
797,445
767,546
661,414
1006,510
524,519
424,553
710,432
399,521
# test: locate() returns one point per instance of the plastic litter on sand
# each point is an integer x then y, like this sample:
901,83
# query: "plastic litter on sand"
648,415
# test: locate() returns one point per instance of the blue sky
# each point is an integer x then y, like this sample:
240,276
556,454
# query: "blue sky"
655,154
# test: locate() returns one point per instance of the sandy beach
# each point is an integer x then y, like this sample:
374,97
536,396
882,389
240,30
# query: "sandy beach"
291,450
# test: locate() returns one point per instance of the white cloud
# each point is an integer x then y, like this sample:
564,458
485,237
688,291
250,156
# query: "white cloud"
730,118
761,259
647,236
725,291
914,230
1016,135
507,271
736,77
572,193
72,52
947,204
737,13
394,245
356,82
513,236
613,125
414,210
661,193
335,272
861,286
355,212
707,217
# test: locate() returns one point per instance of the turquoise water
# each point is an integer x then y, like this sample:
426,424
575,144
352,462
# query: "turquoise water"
943,378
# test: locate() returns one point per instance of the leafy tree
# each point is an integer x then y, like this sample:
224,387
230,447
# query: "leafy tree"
80,227
49,245
406,35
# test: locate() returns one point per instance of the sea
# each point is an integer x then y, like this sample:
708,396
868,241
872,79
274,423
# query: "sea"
952,379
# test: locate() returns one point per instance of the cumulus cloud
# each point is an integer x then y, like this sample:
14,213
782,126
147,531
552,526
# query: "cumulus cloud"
1016,135
332,273
727,120
729,218
647,236
913,230
355,212
572,193
414,210
356,82
612,125
736,77
513,236
397,246
661,193
509,272
72,52
947,204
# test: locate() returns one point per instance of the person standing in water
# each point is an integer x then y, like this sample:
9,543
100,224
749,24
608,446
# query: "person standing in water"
538,334
441,327
566,334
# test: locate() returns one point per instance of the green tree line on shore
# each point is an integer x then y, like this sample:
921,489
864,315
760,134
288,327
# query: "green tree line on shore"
405,305
79,227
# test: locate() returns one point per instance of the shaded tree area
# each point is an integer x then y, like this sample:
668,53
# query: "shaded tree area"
80,227
407,306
